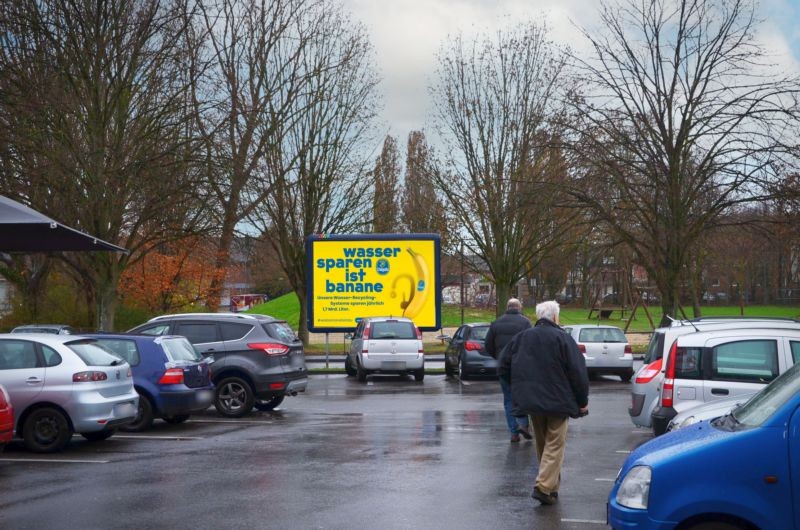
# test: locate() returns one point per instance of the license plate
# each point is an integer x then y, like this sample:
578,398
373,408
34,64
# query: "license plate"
124,410
393,365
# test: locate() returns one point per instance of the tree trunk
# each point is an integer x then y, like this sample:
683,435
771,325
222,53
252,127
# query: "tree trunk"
222,261
503,294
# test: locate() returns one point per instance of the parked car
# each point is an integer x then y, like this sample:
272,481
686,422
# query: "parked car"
646,386
605,348
708,411
6,418
60,384
386,345
739,471
171,377
258,359
466,353
55,329
706,366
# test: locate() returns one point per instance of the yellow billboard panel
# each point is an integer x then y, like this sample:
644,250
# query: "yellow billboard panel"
351,277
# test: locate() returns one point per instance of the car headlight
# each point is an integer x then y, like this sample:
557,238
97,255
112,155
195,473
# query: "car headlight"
680,425
635,488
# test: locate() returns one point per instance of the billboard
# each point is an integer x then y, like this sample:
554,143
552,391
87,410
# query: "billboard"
351,277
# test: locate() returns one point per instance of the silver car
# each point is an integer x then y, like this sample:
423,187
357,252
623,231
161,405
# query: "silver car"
605,348
709,411
386,345
61,384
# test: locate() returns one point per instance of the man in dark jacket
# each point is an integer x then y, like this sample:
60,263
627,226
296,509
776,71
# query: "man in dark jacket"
501,331
549,382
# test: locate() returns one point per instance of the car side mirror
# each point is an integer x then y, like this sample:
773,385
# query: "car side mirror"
348,336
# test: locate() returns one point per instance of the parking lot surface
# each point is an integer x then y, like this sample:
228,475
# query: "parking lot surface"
391,453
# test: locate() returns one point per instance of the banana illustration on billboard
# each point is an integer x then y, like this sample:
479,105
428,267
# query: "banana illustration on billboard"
421,287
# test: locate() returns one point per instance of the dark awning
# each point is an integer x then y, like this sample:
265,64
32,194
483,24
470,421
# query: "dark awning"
23,229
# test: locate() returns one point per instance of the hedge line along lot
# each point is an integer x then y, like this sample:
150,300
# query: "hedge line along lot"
391,453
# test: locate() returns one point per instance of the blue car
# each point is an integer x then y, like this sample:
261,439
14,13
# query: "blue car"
172,379
740,471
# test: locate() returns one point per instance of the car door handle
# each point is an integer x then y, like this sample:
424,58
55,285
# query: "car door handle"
720,391
33,381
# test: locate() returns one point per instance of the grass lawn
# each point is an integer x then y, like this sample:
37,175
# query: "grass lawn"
287,308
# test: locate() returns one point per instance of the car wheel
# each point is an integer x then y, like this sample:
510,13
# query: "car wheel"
144,416
234,397
626,376
462,370
448,370
717,525
419,375
46,430
361,374
265,405
176,419
99,436
348,367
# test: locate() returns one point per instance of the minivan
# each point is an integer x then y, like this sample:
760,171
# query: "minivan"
386,345
646,386
711,365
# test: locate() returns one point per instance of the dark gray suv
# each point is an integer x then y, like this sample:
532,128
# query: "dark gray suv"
258,360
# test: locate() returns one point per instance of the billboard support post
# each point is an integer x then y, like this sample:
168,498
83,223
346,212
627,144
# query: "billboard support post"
327,351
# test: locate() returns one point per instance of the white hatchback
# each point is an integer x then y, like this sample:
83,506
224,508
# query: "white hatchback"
605,348
386,345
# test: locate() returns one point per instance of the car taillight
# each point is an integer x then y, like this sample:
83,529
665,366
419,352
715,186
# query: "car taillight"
667,392
270,348
276,386
173,376
628,349
3,399
366,332
582,348
419,333
649,372
130,372
471,345
84,377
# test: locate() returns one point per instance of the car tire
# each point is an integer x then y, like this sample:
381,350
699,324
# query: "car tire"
176,419
626,376
99,436
419,375
348,367
448,370
462,370
265,405
144,416
361,373
716,525
234,397
46,430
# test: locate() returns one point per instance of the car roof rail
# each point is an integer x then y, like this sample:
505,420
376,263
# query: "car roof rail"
742,317
245,316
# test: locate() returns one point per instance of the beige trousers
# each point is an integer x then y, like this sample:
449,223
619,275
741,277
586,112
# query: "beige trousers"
551,441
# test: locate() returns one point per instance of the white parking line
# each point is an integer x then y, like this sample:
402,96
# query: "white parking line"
54,461
253,422
465,383
150,437
583,521
605,479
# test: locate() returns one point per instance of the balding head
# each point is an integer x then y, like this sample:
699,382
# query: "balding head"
514,303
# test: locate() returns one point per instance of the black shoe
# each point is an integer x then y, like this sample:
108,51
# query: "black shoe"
543,497
525,433
515,438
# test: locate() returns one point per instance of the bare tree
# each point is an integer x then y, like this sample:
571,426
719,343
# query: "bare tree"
495,101
682,120
95,106
316,167
247,70
422,207
386,176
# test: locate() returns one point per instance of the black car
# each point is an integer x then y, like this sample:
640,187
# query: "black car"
466,354
258,360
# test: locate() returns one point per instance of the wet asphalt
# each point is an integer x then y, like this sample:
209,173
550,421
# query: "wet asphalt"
391,453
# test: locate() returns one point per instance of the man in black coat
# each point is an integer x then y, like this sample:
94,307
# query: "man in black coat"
549,382
501,331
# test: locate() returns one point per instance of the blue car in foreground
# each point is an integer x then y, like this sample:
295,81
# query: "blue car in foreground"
740,471
171,377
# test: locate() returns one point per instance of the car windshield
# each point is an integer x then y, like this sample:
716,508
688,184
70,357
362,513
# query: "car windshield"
392,330
124,348
479,333
601,335
771,398
94,354
180,349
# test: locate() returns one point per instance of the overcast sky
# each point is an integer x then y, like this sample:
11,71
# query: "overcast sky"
407,34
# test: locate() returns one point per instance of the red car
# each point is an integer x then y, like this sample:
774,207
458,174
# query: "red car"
6,418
